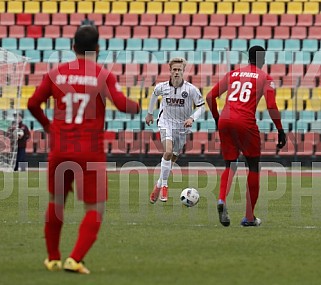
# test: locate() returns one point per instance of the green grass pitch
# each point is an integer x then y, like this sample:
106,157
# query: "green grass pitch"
167,243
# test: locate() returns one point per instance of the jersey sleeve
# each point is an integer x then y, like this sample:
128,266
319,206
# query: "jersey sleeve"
41,95
198,98
118,98
269,95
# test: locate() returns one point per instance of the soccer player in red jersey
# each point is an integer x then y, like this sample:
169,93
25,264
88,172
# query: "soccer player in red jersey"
238,129
79,89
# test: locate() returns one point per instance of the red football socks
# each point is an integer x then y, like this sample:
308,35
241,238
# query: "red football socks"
226,182
53,225
253,186
87,235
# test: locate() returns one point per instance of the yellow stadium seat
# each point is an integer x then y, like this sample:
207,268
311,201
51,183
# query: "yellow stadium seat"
294,8
4,103
154,8
189,8
32,7
259,8
67,7
27,91
280,103
283,93
15,7
262,105
145,103
171,8
85,7
224,8
119,7
21,103
303,92
49,7
295,104
2,7
102,7
241,8
206,8
316,92
314,105
135,92
277,8
9,91
311,8
136,7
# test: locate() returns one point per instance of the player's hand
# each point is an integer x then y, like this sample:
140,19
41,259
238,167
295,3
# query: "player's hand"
216,122
281,139
149,119
188,123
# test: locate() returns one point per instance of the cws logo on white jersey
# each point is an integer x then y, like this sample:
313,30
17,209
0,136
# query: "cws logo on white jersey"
177,103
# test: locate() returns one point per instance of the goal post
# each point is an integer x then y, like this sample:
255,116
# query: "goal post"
12,70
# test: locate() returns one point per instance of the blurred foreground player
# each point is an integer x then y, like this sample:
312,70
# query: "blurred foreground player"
238,129
79,89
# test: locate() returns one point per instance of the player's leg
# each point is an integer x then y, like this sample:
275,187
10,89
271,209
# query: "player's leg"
166,166
226,180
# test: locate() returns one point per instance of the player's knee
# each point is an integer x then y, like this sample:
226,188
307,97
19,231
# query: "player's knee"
168,155
254,164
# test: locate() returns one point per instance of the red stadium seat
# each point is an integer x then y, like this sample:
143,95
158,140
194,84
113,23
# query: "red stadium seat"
182,20
97,18
16,31
193,32
24,19
270,20
288,20
150,69
41,19
130,20
151,142
59,19
115,68
132,69
298,33
148,20
113,20
125,80
69,31
252,20
305,20
277,70
158,32
211,32
106,32
76,19
3,32
7,19
175,32
228,33
205,69
164,70
218,20
200,20
141,32
199,81
246,32
41,68
281,32
317,20
34,32
34,79
220,69
296,70
289,148
52,32
235,20
314,33
123,32
264,32
164,20
289,81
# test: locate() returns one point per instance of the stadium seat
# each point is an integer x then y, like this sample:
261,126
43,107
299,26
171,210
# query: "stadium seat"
246,32
141,32
123,32
189,7
186,44
294,8
168,44
292,45
234,20
59,19
141,57
242,8
67,7
136,7
252,20
154,8
7,19
225,8
151,44
150,69
41,19
33,55
52,32
200,20
277,70
204,44
296,70
102,7
288,20
217,20
124,57
192,32
311,8
298,32
206,8
69,31
175,32
106,32
116,44
259,8
157,32
3,32
257,42
211,32
264,32
270,20
62,44
26,44
277,8
130,20
182,20
195,57
148,20
304,20
221,44
285,57
302,57
113,20
2,7
213,57
24,19
171,8
134,44
41,68
119,7
314,33
85,7
96,18
228,33
34,32
275,44
75,19
164,20
15,7
239,44
281,32
16,31
49,7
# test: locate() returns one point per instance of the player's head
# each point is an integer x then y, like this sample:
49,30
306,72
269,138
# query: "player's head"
19,115
177,67
257,56
86,40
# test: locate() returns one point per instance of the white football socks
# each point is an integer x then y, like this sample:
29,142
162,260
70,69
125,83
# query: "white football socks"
166,166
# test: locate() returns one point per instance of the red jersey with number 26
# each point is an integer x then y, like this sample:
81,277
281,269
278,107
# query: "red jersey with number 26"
79,89
245,87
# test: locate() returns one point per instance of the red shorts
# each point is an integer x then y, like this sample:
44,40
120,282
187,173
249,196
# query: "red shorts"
88,171
238,136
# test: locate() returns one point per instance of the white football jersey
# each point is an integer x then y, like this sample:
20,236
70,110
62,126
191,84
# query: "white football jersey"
177,103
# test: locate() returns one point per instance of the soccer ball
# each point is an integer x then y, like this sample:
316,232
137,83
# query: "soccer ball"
190,197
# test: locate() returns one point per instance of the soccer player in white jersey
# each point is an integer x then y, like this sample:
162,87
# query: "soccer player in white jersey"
175,119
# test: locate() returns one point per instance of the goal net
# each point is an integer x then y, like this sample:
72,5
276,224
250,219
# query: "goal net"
12,68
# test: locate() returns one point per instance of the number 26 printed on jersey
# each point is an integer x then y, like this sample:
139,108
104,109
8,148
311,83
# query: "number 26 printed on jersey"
242,90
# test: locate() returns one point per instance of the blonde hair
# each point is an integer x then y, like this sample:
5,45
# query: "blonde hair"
178,60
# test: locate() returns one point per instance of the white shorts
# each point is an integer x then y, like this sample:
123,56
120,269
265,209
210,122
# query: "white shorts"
177,136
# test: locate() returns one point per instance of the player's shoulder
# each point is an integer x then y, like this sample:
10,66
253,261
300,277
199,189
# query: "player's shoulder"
161,85
190,85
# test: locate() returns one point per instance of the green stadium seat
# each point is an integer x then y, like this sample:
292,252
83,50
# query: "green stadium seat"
234,57
62,44
177,53
141,57
186,44
275,44
311,45
168,45
204,44
159,57
257,42
10,43
50,56
44,44
213,57
302,57
239,44
116,44
292,45
67,55
270,57
105,56
221,44
195,57
134,44
124,57
317,57
285,57
33,55
26,44
102,44
151,44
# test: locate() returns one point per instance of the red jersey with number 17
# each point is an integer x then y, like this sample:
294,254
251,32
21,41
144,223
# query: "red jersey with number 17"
245,87
79,89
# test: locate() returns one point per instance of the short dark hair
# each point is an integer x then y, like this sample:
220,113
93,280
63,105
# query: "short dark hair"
256,54
86,39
